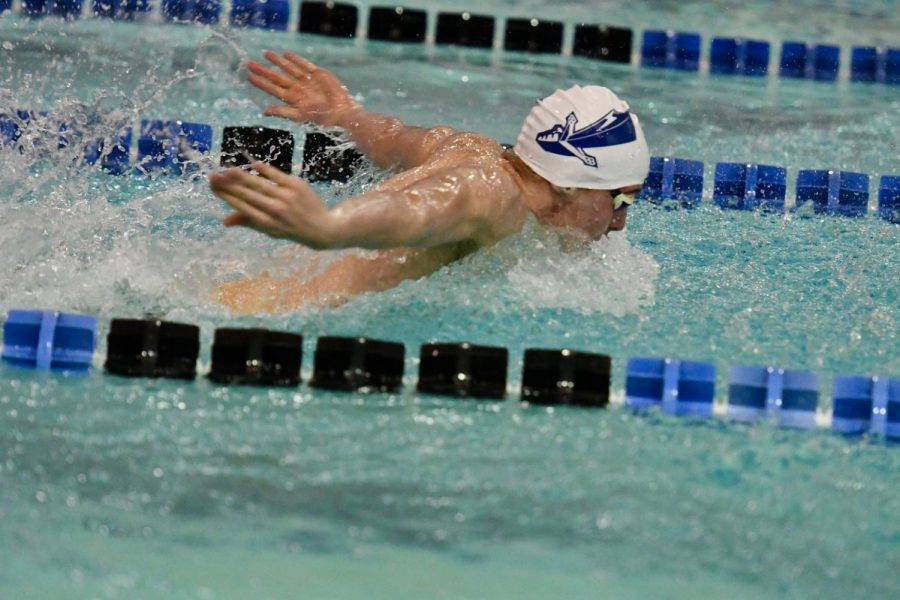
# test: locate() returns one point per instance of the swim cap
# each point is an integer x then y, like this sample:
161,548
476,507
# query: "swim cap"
584,137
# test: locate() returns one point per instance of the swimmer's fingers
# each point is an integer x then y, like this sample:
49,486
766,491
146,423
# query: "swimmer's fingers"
238,178
271,190
287,66
266,73
285,112
276,176
247,215
248,189
268,87
236,219
305,65
272,183
239,220
242,220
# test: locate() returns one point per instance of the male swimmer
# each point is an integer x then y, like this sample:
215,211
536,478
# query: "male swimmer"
577,164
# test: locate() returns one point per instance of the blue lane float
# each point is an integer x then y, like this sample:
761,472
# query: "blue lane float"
12,125
892,66
749,186
172,145
122,10
734,56
38,129
9,130
203,12
673,178
787,397
820,62
681,388
35,8
892,418
65,9
111,154
870,64
863,404
851,404
45,340
264,14
796,407
671,49
889,198
833,192
749,393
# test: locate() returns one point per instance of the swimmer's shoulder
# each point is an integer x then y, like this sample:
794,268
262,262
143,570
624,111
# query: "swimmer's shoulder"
480,161
497,191
464,144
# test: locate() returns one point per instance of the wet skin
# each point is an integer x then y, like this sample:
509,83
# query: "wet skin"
453,192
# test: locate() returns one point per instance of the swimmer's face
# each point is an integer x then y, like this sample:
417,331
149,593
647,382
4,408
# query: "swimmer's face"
587,214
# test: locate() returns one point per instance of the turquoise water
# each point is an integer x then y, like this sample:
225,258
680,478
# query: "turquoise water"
124,489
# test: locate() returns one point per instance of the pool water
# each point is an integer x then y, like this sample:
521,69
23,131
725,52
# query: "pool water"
142,489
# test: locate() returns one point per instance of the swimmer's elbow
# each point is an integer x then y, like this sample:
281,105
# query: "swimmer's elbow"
438,134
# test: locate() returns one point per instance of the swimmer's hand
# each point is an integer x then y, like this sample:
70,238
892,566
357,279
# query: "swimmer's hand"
274,203
309,93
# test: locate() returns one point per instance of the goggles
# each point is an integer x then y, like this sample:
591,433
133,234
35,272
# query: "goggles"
622,200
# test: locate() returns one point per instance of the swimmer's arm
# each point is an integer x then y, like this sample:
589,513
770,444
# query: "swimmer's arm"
435,211
388,141
312,94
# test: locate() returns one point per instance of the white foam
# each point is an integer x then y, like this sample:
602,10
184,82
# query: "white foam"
609,276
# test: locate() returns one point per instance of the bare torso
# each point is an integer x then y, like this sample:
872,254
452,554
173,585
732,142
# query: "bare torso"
466,159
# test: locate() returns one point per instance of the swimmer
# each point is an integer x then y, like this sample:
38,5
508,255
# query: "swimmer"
576,166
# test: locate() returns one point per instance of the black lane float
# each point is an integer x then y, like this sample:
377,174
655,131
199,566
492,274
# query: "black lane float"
243,145
327,158
566,377
358,364
152,348
256,357
328,18
533,35
397,24
465,29
463,370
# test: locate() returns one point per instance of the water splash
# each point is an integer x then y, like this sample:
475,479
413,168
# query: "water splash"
611,276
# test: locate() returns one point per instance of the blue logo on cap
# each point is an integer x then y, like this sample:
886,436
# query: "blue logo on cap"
611,129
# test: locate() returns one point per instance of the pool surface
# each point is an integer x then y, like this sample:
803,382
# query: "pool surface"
116,488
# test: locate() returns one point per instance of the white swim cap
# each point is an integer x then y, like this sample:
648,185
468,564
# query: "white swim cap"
584,137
